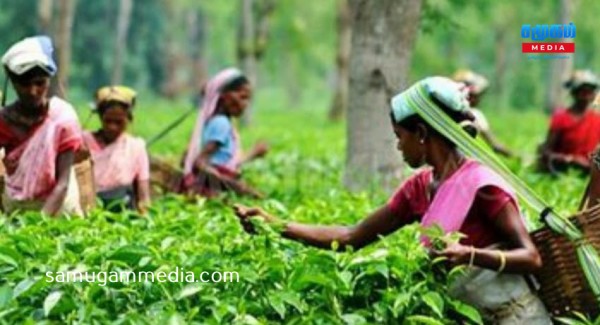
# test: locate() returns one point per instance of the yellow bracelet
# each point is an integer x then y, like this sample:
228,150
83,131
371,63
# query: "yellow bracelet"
472,259
502,261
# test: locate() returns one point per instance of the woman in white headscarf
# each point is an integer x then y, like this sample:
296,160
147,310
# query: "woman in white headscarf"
40,135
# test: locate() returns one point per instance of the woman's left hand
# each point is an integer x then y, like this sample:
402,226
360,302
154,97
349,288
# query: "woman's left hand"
456,254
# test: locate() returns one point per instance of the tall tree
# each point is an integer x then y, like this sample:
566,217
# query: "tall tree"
253,32
560,69
383,36
246,42
123,20
45,16
66,16
196,26
502,22
344,34
173,57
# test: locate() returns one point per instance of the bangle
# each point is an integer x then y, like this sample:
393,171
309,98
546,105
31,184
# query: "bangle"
502,261
472,259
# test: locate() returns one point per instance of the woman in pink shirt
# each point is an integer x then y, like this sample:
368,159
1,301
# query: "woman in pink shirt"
457,194
121,165
40,135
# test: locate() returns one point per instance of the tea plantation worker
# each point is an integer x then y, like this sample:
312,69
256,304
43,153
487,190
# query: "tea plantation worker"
121,165
575,131
40,135
477,85
214,155
454,192
592,195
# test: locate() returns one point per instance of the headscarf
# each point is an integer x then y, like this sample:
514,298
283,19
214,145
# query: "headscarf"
30,53
452,94
212,94
120,94
580,78
477,83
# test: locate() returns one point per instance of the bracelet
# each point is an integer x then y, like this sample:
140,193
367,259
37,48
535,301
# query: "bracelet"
502,261
472,259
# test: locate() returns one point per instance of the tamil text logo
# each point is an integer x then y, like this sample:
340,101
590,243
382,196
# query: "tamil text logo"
543,32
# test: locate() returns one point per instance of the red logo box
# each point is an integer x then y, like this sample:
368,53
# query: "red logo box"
548,47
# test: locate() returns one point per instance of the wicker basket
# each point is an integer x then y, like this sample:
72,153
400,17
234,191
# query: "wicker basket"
564,288
164,177
84,173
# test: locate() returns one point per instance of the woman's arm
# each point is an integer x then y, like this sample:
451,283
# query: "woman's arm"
142,195
202,161
550,160
380,223
499,148
521,255
259,150
214,177
63,171
549,144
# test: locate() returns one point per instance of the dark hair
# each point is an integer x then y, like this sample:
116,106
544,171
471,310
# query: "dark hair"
575,90
411,122
105,106
235,84
30,74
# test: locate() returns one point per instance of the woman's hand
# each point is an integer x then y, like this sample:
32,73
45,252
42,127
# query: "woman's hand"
455,253
260,150
10,165
246,213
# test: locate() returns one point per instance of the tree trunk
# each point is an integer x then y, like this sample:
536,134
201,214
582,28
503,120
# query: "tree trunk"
45,17
344,33
246,49
383,36
66,17
172,56
253,32
560,69
500,65
125,7
197,38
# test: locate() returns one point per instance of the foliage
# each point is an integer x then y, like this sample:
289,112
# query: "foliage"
280,281
454,34
578,319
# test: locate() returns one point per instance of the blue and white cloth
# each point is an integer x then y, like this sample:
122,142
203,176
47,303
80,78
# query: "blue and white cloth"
29,53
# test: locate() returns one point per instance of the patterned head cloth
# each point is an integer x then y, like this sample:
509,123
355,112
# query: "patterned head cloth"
580,78
30,53
477,83
120,94
452,94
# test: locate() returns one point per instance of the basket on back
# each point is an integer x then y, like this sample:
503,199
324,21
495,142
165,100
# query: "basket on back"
564,288
164,177
84,173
